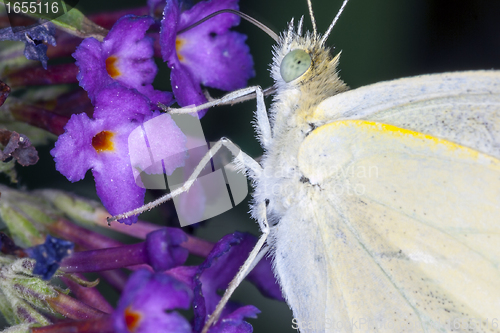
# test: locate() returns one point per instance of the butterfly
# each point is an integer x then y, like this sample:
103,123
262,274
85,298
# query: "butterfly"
380,205
354,258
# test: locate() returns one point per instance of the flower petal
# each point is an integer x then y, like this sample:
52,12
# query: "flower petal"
73,152
207,54
156,96
123,110
118,103
186,89
115,183
219,24
102,144
216,272
168,31
127,42
166,141
219,58
191,205
234,322
48,255
128,38
163,248
93,75
147,302
218,61
125,56
33,38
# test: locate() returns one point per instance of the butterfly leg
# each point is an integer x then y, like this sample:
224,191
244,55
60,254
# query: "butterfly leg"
240,158
253,259
263,126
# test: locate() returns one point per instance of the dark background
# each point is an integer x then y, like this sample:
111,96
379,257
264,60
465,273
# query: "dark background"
380,40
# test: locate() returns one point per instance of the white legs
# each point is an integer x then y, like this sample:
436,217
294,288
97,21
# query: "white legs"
253,259
263,127
240,157
264,132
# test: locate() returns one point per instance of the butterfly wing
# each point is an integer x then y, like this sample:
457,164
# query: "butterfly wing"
410,223
462,107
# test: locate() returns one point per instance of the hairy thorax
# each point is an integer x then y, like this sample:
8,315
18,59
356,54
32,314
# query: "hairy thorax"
282,183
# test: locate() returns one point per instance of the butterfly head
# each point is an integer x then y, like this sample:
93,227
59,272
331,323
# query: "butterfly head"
302,63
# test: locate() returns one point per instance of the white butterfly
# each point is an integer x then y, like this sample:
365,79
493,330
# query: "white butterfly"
380,205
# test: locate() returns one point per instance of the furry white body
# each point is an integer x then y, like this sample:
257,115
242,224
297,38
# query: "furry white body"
412,247
410,244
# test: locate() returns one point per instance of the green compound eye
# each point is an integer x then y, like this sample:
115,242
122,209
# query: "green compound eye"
295,64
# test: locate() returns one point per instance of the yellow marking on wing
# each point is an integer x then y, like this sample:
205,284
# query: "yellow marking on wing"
376,128
334,146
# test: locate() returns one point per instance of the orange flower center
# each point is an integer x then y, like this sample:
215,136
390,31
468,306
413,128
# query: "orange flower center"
111,67
102,141
132,319
178,46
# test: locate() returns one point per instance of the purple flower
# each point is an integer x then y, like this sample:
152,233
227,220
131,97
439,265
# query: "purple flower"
48,256
216,272
209,54
234,323
125,56
33,38
147,304
162,250
101,144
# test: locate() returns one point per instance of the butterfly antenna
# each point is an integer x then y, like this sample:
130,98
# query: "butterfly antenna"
250,19
313,20
329,30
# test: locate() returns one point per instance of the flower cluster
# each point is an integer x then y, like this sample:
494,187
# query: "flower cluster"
148,295
118,73
48,234
101,144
